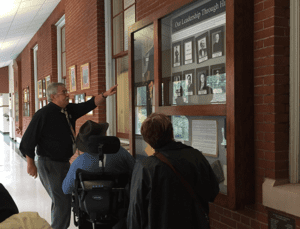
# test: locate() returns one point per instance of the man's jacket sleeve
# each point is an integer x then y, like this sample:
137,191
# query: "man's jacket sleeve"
31,136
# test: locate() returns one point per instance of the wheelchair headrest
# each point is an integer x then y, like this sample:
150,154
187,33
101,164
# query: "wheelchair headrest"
110,144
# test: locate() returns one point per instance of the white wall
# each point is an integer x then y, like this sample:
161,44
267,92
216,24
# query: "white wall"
11,102
4,109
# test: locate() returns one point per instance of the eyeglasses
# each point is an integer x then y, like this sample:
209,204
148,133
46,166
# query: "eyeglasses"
63,93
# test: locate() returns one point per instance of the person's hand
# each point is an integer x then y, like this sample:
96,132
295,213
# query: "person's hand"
32,170
111,91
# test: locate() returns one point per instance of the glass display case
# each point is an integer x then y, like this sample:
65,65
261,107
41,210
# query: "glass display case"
191,54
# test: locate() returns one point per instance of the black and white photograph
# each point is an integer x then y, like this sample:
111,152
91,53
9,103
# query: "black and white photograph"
217,41
76,99
176,56
81,98
201,74
188,51
218,78
177,88
189,82
202,43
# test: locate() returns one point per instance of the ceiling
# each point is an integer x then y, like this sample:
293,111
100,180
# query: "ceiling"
19,21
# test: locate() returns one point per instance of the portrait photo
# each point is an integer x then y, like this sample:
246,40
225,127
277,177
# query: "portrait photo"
40,89
217,41
189,82
76,98
177,87
72,78
44,87
218,76
81,98
202,87
48,81
188,51
202,43
176,49
85,76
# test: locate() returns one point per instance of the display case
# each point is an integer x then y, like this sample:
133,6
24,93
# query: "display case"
193,62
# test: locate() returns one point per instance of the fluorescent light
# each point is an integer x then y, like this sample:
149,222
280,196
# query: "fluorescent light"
8,7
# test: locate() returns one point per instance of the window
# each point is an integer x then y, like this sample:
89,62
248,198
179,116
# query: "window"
61,52
123,16
63,56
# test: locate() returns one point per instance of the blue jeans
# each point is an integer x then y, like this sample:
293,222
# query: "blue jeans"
52,174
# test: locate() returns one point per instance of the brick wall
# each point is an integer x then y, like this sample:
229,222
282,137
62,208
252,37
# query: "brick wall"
85,43
4,88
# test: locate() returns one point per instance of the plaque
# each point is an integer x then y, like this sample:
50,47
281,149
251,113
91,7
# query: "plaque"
277,221
176,48
217,42
188,51
189,78
202,43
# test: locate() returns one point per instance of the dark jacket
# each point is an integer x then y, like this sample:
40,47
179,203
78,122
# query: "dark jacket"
158,199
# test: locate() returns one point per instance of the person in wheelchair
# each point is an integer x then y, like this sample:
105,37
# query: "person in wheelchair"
86,179
120,163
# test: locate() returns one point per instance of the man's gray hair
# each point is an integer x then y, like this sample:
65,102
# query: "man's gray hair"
52,90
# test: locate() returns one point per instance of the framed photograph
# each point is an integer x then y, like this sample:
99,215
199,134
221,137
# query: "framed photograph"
44,102
176,85
76,98
202,47
87,99
81,98
72,78
189,78
70,100
40,89
176,54
140,116
217,78
201,84
188,51
217,42
85,76
48,81
44,87
40,104
26,95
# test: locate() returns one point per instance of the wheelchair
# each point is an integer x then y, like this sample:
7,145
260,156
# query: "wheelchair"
101,199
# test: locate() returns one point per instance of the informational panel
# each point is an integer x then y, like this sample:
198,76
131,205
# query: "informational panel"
277,221
205,137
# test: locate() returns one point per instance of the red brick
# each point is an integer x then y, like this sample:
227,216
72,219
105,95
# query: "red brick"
265,33
258,100
259,154
228,222
269,99
258,81
264,14
258,44
245,220
227,213
255,224
236,217
258,7
242,226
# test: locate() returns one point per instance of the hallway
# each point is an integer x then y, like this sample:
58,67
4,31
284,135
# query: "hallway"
27,192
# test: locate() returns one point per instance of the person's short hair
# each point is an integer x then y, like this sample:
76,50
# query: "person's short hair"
157,130
52,90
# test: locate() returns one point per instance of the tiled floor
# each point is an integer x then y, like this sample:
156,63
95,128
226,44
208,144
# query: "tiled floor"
28,193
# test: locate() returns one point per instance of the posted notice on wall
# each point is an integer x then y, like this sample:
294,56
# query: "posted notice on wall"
205,137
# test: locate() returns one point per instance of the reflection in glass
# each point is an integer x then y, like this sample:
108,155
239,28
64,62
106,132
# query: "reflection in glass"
180,128
118,34
117,7
122,95
192,48
140,116
144,91
129,19
128,3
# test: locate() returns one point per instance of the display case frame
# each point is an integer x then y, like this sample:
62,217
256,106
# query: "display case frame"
239,107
